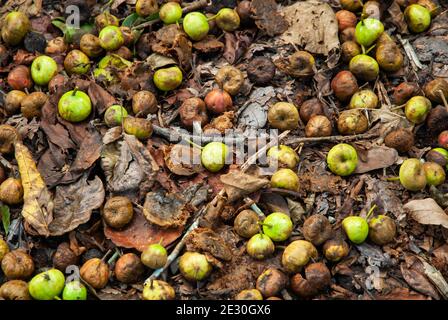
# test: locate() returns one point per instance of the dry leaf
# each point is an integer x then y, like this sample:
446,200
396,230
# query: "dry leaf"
239,184
413,272
427,211
38,205
73,204
376,158
166,210
267,17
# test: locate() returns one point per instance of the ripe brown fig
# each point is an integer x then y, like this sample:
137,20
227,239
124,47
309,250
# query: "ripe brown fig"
310,108
193,110
404,91
118,212
401,139
230,79
344,85
318,126
56,46
346,19
8,136
317,278
13,100
442,139
347,35
11,191
15,290
317,229
90,45
261,70
218,101
138,127
146,8
349,49
129,268
105,19
382,230
64,257
95,272
435,89
352,122
19,78
371,9
57,82
351,5
250,294
246,224
32,104
17,264
283,116
335,249
143,103
301,64
437,120
271,282
389,56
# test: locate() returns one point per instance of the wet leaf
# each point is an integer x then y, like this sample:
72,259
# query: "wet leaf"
74,203
426,211
37,202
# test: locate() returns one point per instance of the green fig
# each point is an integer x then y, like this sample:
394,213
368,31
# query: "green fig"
412,175
367,31
356,229
417,17
278,226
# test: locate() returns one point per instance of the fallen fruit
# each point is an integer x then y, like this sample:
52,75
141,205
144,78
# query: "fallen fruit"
146,8
15,26
8,137
438,155
260,71
352,122
436,89
352,5
249,294
297,254
417,109
286,156
11,191
335,249
193,110
230,79
344,85
271,282
154,256
368,30
214,155
317,229
43,69
382,230
32,104
218,101
227,19
17,264
170,12
105,19
64,257
168,78
114,115
364,67
417,17
138,127
4,249
111,38
128,268
389,56
76,62
13,100
412,175
285,179
404,91
342,159
15,290
356,229
318,126
74,290
246,224
74,106
118,211
435,173
47,285
364,99
349,50
401,139
144,103
346,19
194,266
278,226
317,278
19,78
283,116
95,272
90,45
158,290
195,25
260,246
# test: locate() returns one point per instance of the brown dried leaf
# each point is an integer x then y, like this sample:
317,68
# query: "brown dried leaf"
268,18
167,210
427,211
101,99
397,17
206,240
238,184
402,294
140,233
376,158
412,271
74,203
208,44
38,205
312,26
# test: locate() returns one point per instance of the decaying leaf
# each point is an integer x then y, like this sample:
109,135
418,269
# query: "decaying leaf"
37,201
165,210
178,158
206,240
74,203
312,26
268,18
140,233
426,211
238,184
413,272
376,158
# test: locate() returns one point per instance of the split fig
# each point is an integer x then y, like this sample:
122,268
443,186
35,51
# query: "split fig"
271,282
193,110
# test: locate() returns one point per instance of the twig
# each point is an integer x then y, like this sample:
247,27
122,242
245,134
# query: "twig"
410,52
192,7
333,138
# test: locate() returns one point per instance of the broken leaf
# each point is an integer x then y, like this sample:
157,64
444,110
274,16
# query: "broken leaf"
426,211
239,184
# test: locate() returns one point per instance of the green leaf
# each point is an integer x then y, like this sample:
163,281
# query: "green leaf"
130,20
6,218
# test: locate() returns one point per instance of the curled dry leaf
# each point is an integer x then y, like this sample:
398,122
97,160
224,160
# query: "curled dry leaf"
166,210
312,26
376,158
180,159
268,18
140,233
101,99
206,240
427,211
37,201
238,184
74,203
413,272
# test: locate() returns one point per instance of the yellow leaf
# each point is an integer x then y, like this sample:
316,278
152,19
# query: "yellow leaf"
37,201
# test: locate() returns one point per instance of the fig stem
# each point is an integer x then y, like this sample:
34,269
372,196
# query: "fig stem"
57,298
370,49
194,144
74,91
393,179
363,49
255,208
371,211
443,99
114,257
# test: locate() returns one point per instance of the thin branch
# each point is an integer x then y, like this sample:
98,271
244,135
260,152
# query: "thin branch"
363,136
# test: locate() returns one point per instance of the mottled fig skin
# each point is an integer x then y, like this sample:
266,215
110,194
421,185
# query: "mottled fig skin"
95,272
17,265
344,85
111,38
351,5
364,67
249,294
19,78
246,224
154,256
170,12
286,156
342,159
283,116
271,282
146,8
297,254
417,17
285,179
382,230
435,173
317,229
352,122
417,109
401,139
13,101
335,249
230,79
158,290
318,126
218,101
260,247
90,45
138,127
389,57
118,211
144,103
15,26
32,104
114,115
404,91
364,99
168,78
278,225
76,62
228,19
435,89
129,268
350,49
412,175
346,19
194,266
